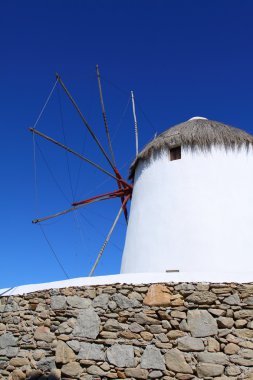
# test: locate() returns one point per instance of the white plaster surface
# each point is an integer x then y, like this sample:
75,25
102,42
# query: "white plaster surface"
193,215
133,278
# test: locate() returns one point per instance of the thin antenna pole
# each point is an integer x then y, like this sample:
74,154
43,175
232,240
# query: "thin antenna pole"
135,124
108,236
72,151
84,121
104,115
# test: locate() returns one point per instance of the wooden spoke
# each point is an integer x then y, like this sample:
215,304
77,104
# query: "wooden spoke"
104,116
69,210
84,121
71,151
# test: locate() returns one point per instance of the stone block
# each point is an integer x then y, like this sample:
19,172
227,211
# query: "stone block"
208,370
201,323
175,361
157,295
152,359
87,324
121,355
188,343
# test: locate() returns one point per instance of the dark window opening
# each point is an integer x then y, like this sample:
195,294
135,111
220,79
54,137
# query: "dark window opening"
175,153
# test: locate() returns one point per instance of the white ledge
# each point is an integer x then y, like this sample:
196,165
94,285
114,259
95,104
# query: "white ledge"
133,278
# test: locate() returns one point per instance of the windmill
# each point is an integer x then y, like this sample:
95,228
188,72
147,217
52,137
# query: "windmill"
124,188
191,209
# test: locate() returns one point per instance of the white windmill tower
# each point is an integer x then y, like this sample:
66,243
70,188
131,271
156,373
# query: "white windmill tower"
192,203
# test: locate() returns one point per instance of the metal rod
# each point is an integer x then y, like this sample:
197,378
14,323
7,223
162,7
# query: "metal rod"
108,236
135,125
84,121
35,221
68,210
104,115
71,151
109,195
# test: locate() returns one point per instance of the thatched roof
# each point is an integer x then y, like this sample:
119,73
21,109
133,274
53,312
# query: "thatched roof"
196,133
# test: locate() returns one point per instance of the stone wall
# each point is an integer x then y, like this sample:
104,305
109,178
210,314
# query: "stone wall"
169,331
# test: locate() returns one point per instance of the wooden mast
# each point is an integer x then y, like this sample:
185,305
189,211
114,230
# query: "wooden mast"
135,125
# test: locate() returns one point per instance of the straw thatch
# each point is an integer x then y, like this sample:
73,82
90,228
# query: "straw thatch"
196,134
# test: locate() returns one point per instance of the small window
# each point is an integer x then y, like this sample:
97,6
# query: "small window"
175,153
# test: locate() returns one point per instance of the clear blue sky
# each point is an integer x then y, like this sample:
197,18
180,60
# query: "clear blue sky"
182,59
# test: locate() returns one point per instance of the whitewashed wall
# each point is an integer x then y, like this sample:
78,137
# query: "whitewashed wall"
193,214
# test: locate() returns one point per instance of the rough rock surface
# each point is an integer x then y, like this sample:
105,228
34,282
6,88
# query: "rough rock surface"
152,358
201,323
43,333
216,358
136,373
188,343
87,324
202,297
72,369
78,302
7,339
64,354
58,302
157,295
176,362
91,351
209,370
121,355
183,331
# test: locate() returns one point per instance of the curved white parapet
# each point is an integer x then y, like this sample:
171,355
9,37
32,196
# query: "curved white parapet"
133,278
194,214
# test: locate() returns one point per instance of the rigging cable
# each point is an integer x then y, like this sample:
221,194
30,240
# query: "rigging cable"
53,251
90,108
99,215
136,101
73,152
102,183
51,172
121,120
36,207
65,143
98,232
75,214
145,116
85,122
55,181
80,164
48,98
98,143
